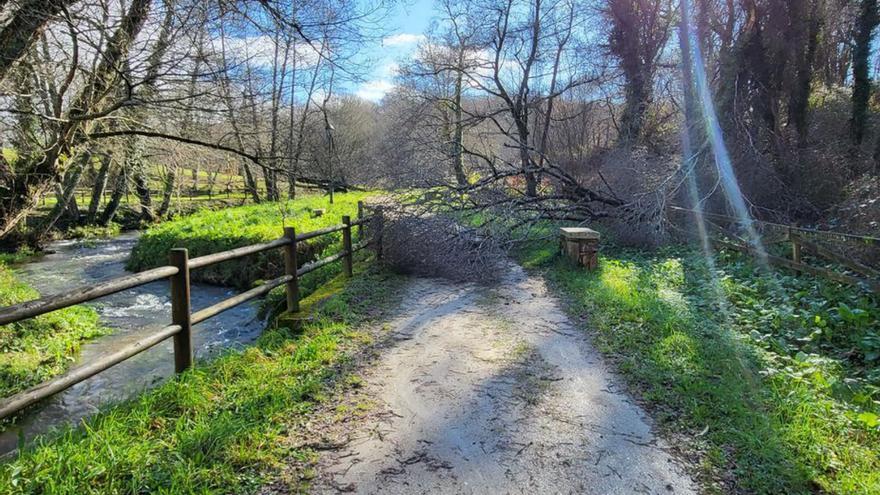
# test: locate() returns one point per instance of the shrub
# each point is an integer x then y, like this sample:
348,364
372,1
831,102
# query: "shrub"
209,232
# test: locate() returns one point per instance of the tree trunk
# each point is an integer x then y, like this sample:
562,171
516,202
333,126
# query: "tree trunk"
293,166
142,188
212,181
36,175
167,192
66,196
458,130
638,34
635,104
194,190
71,208
120,187
865,25
526,163
134,162
805,53
24,27
250,184
98,188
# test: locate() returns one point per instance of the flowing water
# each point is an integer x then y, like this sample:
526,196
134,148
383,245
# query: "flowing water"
129,314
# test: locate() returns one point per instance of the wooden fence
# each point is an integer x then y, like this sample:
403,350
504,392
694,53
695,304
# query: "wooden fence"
801,239
182,315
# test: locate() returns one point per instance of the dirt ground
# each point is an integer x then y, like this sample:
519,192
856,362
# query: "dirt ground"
492,390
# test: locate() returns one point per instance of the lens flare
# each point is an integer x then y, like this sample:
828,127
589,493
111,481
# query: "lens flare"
709,121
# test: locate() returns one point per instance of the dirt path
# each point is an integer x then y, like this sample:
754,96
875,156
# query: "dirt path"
491,390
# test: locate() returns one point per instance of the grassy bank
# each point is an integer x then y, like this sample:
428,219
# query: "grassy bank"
209,232
773,378
40,348
220,427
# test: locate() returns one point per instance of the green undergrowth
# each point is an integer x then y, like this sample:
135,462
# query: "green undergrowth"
36,349
20,256
221,426
94,232
774,378
208,232
313,288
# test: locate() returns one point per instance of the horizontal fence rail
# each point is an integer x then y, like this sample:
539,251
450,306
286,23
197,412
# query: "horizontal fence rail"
182,315
37,307
824,233
800,238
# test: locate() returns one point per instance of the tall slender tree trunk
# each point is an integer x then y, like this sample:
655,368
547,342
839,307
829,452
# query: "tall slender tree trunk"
808,32
526,161
551,97
134,162
458,126
167,192
98,188
194,172
293,166
66,195
279,74
226,91
865,25
120,187
250,183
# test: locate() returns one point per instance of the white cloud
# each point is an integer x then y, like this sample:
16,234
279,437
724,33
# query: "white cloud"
403,39
374,90
318,96
260,50
389,69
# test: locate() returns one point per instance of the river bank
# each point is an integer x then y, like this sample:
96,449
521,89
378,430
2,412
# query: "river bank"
128,314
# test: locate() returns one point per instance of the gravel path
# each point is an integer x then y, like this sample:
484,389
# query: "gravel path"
492,390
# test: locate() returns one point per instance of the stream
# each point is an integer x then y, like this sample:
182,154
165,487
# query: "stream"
130,314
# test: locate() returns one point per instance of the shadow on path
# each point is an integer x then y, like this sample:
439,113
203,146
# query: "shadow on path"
492,390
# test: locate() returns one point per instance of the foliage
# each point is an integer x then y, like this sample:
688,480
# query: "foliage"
19,256
775,377
218,428
93,232
34,350
208,232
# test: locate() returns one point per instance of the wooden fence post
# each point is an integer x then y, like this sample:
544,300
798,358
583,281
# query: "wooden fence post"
180,309
795,247
346,245
377,235
292,287
360,217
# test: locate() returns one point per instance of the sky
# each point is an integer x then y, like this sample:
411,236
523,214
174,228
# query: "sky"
406,27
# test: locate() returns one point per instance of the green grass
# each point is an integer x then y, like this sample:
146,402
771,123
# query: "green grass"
207,232
221,426
34,350
774,377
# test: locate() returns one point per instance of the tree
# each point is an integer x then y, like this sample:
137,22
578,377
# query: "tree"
864,30
112,83
520,36
36,174
640,30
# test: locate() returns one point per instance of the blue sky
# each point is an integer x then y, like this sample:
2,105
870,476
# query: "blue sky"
406,27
